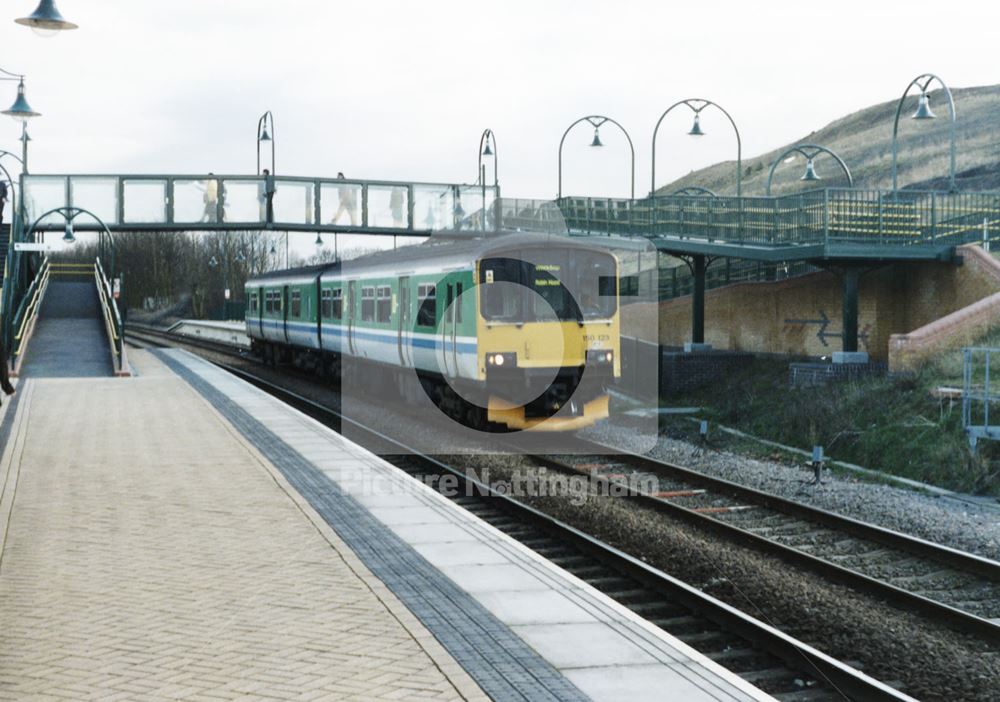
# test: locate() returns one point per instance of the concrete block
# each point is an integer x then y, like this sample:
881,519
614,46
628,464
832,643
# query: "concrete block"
850,357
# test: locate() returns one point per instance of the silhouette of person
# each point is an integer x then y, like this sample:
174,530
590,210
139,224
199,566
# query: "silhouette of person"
5,385
348,202
265,195
211,200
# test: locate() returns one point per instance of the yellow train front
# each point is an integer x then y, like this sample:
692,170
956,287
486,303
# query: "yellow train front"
548,334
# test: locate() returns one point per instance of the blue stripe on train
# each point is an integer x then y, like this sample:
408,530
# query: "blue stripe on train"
461,346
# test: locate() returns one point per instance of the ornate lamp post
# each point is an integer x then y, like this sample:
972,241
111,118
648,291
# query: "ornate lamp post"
20,111
924,112
263,136
46,20
809,151
597,121
696,105
488,149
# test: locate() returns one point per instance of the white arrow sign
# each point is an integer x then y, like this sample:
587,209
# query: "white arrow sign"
26,246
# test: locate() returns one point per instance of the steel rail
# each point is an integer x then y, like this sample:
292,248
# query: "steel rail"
906,599
799,656
844,678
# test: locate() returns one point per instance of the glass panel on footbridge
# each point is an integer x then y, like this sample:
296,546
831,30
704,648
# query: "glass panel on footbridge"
434,207
96,194
145,201
293,202
388,206
196,200
44,193
245,201
340,203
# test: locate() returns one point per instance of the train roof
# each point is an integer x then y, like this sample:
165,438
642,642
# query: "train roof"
443,252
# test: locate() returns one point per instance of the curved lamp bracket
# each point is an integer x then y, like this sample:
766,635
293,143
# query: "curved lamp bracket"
696,105
809,151
596,121
266,120
923,82
488,138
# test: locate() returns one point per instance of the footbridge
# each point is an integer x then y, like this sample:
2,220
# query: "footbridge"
846,230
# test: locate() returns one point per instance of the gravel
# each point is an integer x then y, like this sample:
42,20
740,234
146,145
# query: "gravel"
965,526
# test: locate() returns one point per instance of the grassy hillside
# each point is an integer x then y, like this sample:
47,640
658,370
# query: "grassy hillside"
864,139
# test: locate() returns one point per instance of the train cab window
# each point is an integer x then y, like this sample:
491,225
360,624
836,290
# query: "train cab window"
296,303
501,302
268,302
383,309
253,301
326,303
338,303
368,304
427,301
596,284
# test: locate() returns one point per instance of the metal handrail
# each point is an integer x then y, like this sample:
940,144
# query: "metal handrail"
29,306
112,318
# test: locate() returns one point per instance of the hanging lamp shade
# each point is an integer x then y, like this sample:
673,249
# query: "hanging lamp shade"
924,108
46,20
696,126
810,173
264,136
597,138
21,110
487,151
68,236
319,240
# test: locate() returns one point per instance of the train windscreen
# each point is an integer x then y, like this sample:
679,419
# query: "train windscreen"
572,285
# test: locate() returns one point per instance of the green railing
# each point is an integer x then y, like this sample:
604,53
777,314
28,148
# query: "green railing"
834,215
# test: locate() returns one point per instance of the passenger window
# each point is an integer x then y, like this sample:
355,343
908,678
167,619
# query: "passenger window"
427,310
368,304
384,311
458,306
338,303
449,305
296,306
326,304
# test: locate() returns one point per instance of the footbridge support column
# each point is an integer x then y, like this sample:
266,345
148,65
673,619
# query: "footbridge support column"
698,268
851,280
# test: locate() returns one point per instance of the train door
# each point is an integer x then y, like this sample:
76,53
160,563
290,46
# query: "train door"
404,336
284,310
449,363
260,312
350,318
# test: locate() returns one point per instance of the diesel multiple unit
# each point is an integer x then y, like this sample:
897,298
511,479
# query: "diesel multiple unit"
517,331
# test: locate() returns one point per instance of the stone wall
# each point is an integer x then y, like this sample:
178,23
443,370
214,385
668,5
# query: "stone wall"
802,315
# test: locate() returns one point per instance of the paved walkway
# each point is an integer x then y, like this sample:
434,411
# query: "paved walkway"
180,565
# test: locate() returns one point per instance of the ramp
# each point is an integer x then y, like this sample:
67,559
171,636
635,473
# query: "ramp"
69,340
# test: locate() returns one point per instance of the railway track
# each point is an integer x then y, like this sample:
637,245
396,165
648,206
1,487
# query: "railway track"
773,661
959,589
776,662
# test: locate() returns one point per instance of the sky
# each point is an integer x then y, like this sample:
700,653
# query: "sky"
394,90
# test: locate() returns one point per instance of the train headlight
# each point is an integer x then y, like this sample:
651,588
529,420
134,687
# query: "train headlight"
502,360
600,357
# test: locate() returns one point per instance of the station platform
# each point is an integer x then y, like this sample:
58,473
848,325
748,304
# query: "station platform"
182,535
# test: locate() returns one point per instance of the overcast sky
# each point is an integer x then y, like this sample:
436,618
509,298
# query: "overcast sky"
402,90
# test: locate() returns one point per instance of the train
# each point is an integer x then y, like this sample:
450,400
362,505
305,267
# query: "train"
508,332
